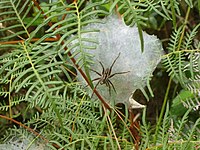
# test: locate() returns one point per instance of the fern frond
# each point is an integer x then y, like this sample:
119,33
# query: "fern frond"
78,43
81,123
176,134
145,132
194,85
189,3
182,133
192,103
36,76
17,12
180,126
174,63
131,11
183,66
187,44
36,71
184,62
84,126
156,7
174,40
164,134
73,21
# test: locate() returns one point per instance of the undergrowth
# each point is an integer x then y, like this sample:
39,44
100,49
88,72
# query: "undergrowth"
42,100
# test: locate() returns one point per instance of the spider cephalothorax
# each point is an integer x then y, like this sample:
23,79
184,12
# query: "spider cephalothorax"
106,75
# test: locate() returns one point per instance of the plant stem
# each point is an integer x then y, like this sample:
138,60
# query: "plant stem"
162,110
184,27
58,36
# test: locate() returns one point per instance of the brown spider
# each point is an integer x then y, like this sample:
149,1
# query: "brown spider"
106,75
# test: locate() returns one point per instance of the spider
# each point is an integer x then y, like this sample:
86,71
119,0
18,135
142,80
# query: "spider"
106,75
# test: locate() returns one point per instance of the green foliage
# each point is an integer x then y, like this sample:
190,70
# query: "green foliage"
173,133
183,65
38,81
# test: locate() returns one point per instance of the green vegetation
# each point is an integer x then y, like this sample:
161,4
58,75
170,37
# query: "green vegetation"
42,100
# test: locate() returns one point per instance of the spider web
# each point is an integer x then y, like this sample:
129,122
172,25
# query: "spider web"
116,37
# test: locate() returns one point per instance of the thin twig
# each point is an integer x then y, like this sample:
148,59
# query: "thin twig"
110,123
73,59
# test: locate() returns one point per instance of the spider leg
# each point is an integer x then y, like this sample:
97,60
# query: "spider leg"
118,73
96,72
96,79
92,81
96,86
110,70
103,69
110,83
